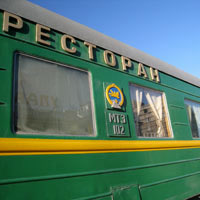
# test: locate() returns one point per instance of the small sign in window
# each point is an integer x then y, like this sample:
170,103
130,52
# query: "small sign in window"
52,99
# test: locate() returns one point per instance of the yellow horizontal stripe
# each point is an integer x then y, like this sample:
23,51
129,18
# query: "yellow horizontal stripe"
21,146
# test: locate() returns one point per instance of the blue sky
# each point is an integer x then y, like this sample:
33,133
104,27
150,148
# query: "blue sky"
166,29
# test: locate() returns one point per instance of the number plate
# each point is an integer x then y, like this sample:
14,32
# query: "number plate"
117,124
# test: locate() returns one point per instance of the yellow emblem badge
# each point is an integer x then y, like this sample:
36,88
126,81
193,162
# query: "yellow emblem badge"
114,96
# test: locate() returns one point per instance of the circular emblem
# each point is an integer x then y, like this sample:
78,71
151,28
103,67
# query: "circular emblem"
114,96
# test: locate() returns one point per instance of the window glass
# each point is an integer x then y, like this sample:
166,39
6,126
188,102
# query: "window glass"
52,99
149,110
193,110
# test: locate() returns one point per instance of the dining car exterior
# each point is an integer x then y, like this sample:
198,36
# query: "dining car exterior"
84,116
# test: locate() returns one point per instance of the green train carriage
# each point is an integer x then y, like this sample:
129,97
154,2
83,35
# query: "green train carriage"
84,116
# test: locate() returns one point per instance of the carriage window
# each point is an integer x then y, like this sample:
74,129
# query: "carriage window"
52,99
150,114
193,110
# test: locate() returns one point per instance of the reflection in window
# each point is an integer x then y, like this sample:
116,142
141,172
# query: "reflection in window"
193,110
149,112
52,99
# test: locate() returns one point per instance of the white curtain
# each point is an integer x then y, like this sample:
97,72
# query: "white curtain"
53,99
152,98
136,97
189,108
155,101
193,109
196,109
139,100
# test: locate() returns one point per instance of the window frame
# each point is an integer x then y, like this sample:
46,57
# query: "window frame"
15,97
166,109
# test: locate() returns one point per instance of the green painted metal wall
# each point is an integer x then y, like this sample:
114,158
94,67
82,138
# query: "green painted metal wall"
171,174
